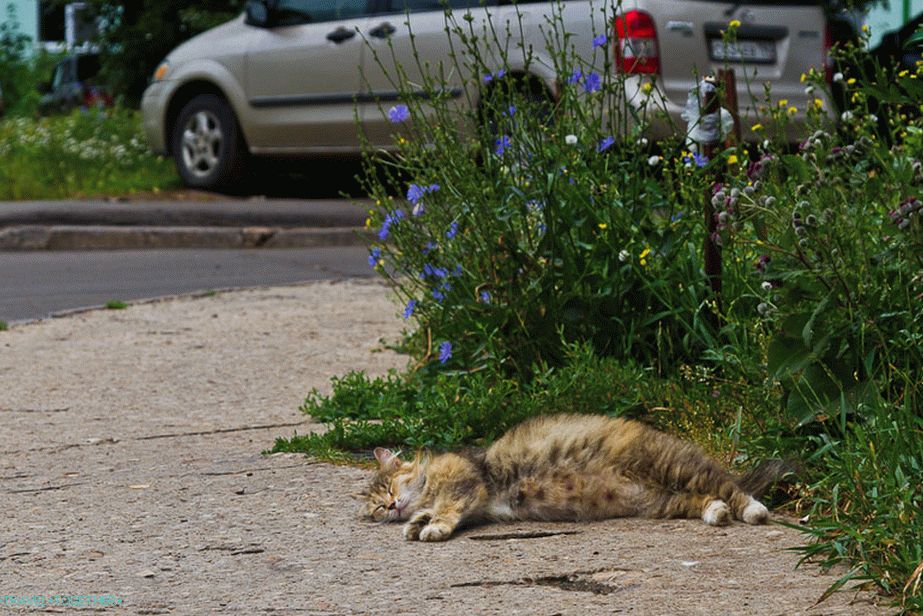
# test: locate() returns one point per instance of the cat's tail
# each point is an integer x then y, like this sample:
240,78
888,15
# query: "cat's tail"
766,474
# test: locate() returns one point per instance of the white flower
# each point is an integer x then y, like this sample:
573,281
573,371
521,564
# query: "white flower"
838,77
767,286
624,255
570,139
642,141
846,116
653,161
809,90
873,118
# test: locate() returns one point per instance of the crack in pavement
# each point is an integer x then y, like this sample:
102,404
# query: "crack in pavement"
112,441
523,535
571,582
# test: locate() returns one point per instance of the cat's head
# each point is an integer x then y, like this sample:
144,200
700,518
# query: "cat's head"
395,488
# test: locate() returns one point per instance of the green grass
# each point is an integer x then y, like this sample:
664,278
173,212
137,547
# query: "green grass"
4,326
84,154
114,304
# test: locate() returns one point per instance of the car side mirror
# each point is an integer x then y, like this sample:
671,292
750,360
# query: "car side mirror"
259,12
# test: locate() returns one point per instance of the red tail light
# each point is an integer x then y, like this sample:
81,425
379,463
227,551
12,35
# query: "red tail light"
636,48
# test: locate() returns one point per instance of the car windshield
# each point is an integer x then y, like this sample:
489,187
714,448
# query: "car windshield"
293,12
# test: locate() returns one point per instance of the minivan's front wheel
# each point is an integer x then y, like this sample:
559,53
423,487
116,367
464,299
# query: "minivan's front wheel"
207,145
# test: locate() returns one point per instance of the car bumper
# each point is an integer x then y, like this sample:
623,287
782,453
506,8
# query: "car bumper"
154,112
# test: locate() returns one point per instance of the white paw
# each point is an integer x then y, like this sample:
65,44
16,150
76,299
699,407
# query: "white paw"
717,513
411,531
755,512
435,532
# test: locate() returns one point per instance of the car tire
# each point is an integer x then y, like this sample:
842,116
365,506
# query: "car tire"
207,144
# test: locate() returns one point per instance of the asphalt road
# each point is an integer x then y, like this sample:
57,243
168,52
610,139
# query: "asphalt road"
36,284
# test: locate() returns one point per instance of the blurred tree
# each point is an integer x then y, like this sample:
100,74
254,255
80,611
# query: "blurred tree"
138,34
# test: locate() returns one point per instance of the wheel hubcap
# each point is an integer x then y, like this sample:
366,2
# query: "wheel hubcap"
202,143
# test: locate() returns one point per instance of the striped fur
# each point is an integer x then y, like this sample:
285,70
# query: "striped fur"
560,467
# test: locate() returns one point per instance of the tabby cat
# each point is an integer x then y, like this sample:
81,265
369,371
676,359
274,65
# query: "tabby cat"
562,467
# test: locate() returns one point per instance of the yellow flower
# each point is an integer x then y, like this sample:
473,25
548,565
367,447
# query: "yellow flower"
903,73
783,102
804,77
644,253
865,28
643,262
855,97
732,159
377,202
602,225
368,223
734,23
756,127
647,87
818,104
792,110
851,81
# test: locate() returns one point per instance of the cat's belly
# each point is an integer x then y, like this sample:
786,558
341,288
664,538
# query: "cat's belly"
567,498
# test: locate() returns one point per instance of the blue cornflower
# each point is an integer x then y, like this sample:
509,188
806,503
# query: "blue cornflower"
501,73
542,228
429,247
534,206
415,193
511,110
408,310
445,352
501,145
453,230
390,219
433,271
592,83
488,78
374,256
700,159
458,270
600,40
605,144
438,295
485,297
398,114
440,291
575,76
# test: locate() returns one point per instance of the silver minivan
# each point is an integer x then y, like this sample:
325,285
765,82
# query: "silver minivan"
286,77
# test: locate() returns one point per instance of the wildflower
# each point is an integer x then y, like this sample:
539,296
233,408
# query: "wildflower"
488,78
851,81
732,159
445,352
575,76
700,160
837,77
734,23
389,220
605,144
453,230
600,40
398,114
602,226
653,161
433,271
804,77
624,255
510,111
374,256
644,253
762,262
570,139
592,83
818,104
792,110
783,102
485,297
646,87
763,309
408,310
767,286
846,116
501,145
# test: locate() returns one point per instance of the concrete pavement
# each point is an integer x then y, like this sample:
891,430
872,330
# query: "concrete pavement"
224,223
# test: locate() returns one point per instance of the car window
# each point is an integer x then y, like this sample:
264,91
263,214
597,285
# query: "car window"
414,6
87,67
294,12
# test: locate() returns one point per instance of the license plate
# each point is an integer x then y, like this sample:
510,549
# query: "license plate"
756,52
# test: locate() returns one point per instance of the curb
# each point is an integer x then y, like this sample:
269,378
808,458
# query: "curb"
80,237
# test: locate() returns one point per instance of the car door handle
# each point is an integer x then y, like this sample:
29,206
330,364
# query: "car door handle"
341,34
382,30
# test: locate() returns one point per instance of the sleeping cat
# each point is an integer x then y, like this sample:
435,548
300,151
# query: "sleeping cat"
562,467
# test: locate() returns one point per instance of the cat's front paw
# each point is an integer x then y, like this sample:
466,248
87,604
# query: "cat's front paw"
717,513
416,524
435,532
755,512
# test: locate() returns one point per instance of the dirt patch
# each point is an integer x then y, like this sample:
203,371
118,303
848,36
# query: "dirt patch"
131,467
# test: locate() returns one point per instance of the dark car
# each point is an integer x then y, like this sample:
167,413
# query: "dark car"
74,83
895,47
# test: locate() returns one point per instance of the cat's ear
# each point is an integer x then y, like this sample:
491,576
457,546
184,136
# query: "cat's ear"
387,458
